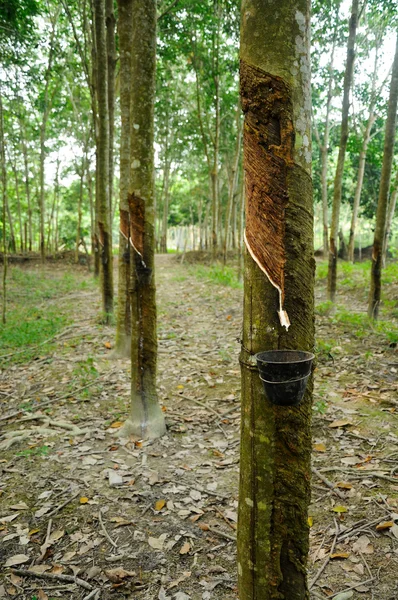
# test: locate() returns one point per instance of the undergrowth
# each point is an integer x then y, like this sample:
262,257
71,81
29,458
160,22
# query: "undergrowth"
217,274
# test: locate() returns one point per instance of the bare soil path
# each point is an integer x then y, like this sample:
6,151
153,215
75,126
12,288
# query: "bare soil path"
158,520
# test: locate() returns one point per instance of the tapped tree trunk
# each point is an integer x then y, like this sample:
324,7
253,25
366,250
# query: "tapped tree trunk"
146,417
103,202
380,228
123,325
274,493
338,180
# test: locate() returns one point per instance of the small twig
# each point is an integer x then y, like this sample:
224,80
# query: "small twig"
148,506
108,537
362,527
232,538
329,484
92,594
366,565
46,544
231,525
59,577
202,404
323,567
353,587
61,506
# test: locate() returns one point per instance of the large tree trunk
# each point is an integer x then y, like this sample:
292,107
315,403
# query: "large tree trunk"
123,325
377,254
338,180
146,417
27,187
274,493
111,50
104,216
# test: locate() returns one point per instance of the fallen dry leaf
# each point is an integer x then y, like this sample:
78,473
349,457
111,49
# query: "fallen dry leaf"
185,548
116,424
340,423
340,509
83,500
320,447
338,555
160,504
118,574
344,485
384,525
17,559
157,543
363,545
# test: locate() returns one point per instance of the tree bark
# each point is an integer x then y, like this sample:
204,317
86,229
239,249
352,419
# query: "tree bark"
27,186
146,417
381,214
104,217
390,216
123,325
324,158
274,493
111,50
4,211
338,180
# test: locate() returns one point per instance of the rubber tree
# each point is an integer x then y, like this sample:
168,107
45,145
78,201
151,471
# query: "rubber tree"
102,170
381,214
274,493
4,211
146,418
338,179
123,324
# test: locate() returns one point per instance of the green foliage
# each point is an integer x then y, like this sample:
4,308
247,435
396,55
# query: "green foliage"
38,451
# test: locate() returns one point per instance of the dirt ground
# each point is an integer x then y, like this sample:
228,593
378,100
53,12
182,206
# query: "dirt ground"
90,517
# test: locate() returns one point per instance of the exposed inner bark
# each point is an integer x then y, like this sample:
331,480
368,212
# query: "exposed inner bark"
268,147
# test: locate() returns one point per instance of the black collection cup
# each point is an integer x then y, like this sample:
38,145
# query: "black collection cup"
285,375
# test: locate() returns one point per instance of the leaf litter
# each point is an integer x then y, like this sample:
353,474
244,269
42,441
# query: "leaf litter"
154,520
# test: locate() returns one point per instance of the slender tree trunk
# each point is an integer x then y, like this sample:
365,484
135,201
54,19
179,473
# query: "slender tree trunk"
4,215
111,50
79,209
27,188
232,188
380,228
165,216
104,212
53,207
324,158
362,162
21,241
123,325
146,417
94,79
338,180
274,493
390,216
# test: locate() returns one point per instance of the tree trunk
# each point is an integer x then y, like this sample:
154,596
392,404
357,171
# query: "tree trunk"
274,493
79,210
4,211
111,50
123,325
165,216
390,216
362,162
21,241
146,417
324,158
338,180
104,217
232,188
380,228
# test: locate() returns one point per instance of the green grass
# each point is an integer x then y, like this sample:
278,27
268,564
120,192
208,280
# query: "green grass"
217,274
32,315
360,325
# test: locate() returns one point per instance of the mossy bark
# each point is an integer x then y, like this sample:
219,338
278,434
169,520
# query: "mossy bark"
274,494
103,204
146,418
338,180
381,215
123,326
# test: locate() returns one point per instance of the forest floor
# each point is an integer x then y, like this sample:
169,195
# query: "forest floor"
85,515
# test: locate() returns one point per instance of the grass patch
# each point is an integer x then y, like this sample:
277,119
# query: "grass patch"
226,276
31,316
